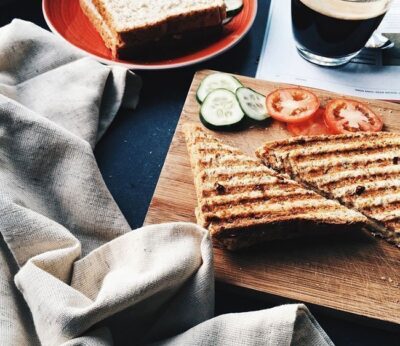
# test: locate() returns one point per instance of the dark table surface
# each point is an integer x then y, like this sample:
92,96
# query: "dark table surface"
132,152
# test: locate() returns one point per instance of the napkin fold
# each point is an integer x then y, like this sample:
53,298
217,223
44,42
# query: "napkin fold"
71,270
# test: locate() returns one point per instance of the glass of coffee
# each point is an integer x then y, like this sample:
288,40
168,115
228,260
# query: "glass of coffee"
332,32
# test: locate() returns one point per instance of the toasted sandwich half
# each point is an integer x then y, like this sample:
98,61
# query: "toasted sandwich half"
242,202
130,27
362,171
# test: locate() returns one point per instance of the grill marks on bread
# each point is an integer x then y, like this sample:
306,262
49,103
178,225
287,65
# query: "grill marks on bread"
237,192
360,170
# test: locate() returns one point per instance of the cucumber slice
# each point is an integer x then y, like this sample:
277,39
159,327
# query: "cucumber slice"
253,104
216,81
221,109
233,7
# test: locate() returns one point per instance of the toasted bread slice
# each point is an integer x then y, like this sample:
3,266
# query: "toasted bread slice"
241,202
361,170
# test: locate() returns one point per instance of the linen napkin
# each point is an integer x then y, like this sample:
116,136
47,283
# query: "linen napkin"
71,270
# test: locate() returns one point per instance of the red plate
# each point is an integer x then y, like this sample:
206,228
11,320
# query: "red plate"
65,18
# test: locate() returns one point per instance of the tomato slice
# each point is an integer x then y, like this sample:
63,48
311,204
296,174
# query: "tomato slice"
348,116
292,105
312,127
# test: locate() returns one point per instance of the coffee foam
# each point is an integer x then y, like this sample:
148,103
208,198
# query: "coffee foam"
349,10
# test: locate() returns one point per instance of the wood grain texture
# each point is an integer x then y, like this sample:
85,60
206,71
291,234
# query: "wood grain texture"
353,273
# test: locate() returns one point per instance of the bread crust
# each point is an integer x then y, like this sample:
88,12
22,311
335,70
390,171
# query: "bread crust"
111,39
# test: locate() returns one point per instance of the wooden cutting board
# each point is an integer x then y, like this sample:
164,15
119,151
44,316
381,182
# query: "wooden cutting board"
356,274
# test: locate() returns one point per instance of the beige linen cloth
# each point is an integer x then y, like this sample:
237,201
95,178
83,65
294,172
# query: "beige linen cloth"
71,270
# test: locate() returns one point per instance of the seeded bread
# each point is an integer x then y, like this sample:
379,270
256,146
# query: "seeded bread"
241,202
128,26
360,170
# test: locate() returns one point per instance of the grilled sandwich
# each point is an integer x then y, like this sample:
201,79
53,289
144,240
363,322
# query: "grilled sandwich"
242,202
361,170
